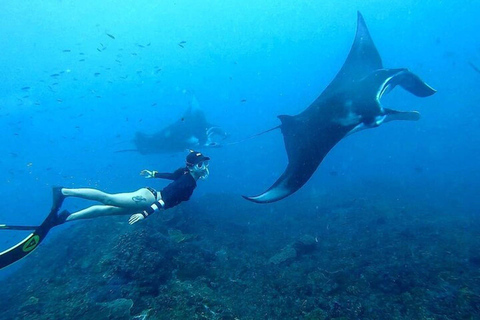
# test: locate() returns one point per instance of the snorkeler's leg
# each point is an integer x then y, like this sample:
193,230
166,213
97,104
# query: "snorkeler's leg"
98,211
136,200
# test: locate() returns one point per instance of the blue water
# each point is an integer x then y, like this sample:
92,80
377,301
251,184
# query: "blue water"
277,56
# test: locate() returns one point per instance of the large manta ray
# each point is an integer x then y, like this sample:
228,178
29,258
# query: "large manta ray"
349,104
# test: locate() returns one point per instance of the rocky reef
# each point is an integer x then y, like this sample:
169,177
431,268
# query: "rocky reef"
220,257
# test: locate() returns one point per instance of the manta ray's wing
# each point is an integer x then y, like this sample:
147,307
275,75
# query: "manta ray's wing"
307,143
362,59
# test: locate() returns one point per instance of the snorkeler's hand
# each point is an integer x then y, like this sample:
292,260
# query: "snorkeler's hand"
135,218
148,174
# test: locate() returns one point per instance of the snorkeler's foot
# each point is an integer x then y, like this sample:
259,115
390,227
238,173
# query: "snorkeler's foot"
58,197
62,217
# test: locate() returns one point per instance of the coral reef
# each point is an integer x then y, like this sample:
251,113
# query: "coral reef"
219,257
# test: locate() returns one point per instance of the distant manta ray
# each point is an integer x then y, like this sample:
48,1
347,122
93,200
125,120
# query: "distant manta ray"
350,103
191,131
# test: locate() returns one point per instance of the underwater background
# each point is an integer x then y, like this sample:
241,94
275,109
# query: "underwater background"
387,227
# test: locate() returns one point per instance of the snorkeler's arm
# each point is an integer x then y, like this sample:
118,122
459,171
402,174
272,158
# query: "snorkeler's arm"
155,207
170,176
163,175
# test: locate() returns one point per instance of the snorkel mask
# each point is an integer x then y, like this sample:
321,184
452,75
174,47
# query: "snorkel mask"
201,169
197,163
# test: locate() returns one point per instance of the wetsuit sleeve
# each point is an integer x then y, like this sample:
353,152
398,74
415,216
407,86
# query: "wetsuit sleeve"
169,176
163,175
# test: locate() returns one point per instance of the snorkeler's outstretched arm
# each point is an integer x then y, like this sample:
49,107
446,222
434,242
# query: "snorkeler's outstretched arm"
162,175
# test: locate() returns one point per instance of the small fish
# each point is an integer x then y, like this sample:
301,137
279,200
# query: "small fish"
81,53
111,36
333,173
81,60
243,100
140,45
118,61
158,70
99,50
418,169
25,97
154,104
53,75
182,42
133,53
474,67
67,50
96,74
54,84
59,100
29,164
26,88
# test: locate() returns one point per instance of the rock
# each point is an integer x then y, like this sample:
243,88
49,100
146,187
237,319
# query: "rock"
287,253
304,245
31,305
179,237
116,309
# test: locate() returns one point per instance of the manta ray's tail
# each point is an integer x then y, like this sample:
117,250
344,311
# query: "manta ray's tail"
252,136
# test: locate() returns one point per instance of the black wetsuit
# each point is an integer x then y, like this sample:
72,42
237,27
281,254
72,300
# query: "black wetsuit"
180,189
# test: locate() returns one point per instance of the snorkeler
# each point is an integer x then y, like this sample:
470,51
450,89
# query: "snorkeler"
143,202
140,204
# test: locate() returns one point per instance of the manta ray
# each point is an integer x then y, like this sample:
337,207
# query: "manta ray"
350,103
191,131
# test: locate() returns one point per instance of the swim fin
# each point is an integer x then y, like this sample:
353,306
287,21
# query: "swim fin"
28,244
31,242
